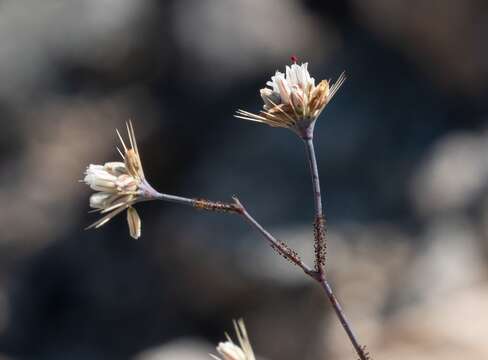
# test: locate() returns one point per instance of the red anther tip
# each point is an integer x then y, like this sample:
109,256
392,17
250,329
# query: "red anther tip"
294,59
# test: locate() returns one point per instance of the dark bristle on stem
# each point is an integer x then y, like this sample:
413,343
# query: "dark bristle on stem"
278,116
320,246
218,206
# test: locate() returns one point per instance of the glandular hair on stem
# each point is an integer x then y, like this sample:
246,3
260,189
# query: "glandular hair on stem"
320,246
365,353
286,252
218,206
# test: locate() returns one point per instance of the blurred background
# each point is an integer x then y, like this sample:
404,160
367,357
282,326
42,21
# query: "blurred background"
402,153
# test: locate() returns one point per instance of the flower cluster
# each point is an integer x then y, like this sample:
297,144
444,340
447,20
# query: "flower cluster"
230,351
119,186
293,101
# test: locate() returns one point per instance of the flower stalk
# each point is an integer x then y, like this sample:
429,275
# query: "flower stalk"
292,101
320,244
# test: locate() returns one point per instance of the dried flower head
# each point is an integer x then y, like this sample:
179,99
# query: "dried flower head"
293,101
230,351
119,186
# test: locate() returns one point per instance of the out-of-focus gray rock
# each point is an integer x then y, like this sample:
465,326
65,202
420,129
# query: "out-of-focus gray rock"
450,259
41,181
453,175
267,34
99,34
185,349
72,71
425,34
449,327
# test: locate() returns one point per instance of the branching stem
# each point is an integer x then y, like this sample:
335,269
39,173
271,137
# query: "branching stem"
314,171
279,246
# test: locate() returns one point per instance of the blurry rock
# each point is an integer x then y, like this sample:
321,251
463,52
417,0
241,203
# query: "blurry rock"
275,303
451,259
449,327
40,182
193,272
364,264
4,311
484,224
452,55
288,323
36,36
422,304
241,37
453,174
185,349
267,264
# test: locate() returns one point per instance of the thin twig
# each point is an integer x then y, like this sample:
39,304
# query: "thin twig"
236,207
312,160
279,246
314,275
320,237
320,243
343,319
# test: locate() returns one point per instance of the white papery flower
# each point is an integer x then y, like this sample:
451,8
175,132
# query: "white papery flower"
230,351
293,101
119,186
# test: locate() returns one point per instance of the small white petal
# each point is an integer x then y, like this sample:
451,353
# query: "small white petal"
99,179
100,184
115,168
99,200
273,83
100,173
230,351
269,98
284,90
134,222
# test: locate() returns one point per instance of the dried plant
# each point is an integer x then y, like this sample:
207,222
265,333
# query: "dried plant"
292,101
120,185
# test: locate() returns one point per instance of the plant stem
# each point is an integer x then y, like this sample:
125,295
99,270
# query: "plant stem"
321,246
239,209
343,319
279,246
314,171
314,275
284,250
175,199
319,222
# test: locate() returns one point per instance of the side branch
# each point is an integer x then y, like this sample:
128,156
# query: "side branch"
281,248
218,206
237,208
